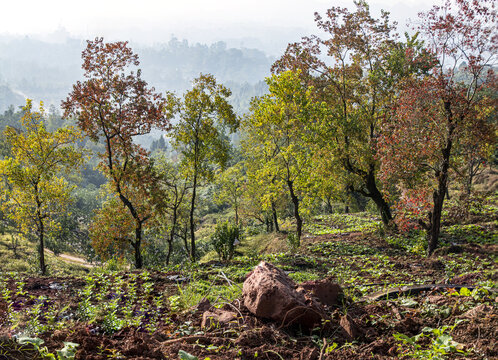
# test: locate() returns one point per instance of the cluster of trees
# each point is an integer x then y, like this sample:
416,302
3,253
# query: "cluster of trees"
353,113
384,118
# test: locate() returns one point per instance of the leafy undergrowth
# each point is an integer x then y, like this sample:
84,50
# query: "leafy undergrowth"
153,314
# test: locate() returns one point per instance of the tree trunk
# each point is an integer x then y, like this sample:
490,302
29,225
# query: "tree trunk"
378,199
43,267
275,217
41,232
185,239
438,198
434,227
470,178
171,237
295,202
328,205
137,246
192,224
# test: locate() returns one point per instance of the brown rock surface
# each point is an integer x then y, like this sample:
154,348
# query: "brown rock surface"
269,293
351,329
217,317
326,291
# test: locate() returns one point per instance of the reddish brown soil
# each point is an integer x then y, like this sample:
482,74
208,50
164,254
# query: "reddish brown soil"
376,323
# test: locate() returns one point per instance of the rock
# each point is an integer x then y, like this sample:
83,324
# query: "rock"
326,291
55,286
177,278
350,328
217,317
269,293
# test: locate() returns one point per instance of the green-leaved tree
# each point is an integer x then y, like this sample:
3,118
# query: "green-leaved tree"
204,115
33,189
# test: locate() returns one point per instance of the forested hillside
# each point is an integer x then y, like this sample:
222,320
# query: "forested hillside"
202,202
45,70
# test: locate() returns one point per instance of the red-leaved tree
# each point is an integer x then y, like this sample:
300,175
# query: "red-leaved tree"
113,106
440,112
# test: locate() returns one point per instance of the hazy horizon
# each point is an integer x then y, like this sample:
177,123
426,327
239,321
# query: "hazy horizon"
266,25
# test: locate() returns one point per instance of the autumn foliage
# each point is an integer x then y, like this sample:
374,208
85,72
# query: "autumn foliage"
113,106
437,114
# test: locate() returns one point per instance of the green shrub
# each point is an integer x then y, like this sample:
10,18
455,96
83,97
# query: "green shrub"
292,242
224,238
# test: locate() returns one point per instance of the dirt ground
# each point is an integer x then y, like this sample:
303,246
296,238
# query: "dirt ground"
467,322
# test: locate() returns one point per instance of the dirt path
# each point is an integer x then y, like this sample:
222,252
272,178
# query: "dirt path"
77,260
72,259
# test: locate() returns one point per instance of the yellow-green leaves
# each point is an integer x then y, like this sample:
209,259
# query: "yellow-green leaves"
32,188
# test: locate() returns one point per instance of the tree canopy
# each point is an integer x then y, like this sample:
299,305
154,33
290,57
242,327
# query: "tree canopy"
33,188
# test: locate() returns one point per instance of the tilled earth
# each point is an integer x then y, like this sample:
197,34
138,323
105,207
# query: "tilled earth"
462,324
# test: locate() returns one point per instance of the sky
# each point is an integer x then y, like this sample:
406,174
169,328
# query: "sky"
240,22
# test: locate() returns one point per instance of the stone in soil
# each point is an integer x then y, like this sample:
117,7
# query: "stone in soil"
270,293
217,317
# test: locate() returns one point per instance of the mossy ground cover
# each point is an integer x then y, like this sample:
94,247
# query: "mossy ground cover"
153,314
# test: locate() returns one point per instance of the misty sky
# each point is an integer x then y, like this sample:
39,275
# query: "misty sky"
149,21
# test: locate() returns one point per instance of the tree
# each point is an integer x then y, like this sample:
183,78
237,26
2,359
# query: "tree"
204,115
33,190
175,187
355,69
114,107
438,113
231,186
278,131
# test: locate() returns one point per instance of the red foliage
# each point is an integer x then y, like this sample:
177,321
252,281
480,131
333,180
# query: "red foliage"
437,113
115,106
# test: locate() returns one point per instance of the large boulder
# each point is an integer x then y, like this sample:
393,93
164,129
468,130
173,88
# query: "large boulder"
269,293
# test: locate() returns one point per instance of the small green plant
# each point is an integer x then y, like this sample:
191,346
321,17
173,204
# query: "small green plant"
441,344
68,352
292,242
224,239
183,355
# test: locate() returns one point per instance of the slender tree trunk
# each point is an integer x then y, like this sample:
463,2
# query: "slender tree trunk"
236,214
275,217
192,224
435,216
328,205
438,198
372,191
470,178
41,233
295,202
43,267
434,227
171,236
378,199
137,245
185,240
